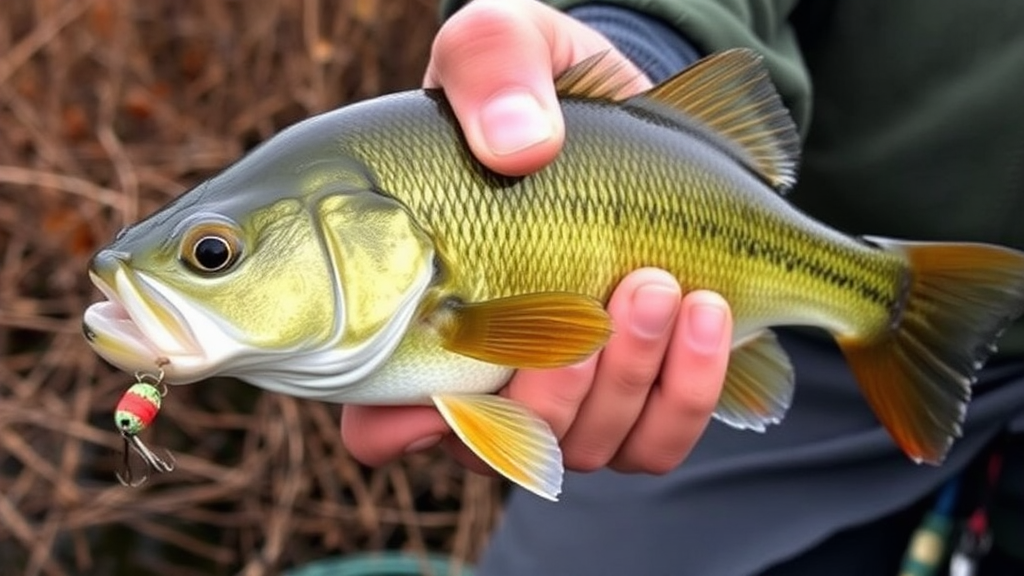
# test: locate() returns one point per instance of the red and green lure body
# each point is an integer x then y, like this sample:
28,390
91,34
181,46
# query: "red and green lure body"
134,413
137,408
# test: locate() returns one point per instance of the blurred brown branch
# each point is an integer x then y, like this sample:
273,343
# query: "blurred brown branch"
109,108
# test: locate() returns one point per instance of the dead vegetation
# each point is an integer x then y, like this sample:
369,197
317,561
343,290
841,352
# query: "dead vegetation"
108,109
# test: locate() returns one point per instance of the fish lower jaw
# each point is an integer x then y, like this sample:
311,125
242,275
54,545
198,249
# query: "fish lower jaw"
115,337
174,369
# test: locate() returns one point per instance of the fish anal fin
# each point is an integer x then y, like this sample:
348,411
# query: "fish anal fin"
542,330
731,94
509,438
758,385
917,374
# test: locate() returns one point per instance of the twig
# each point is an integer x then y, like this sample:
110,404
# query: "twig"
40,36
21,176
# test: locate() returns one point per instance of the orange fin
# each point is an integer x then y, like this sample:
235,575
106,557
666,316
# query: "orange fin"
918,375
543,330
758,385
509,438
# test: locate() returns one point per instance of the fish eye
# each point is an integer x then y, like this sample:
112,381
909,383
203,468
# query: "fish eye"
210,248
212,253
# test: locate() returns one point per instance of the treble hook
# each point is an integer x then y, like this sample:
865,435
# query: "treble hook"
148,456
135,411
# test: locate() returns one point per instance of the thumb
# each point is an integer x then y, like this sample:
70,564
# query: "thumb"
494,64
496,60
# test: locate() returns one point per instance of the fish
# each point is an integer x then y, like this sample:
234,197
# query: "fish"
364,256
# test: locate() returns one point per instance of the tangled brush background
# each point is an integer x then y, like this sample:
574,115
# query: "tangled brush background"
107,110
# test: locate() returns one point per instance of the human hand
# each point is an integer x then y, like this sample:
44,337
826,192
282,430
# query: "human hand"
638,406
496,59
642,403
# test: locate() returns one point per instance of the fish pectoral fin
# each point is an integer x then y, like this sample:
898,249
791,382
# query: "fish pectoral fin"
543,330
758,385
509,438
731,94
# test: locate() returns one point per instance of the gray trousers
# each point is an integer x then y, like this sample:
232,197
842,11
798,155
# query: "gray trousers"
825,492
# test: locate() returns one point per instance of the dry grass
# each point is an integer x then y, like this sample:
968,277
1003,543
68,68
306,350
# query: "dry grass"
107,110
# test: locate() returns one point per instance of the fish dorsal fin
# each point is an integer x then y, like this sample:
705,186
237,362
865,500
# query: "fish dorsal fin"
598,78
728,94
731,94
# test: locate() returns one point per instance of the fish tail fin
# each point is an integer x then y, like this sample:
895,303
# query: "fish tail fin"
917,377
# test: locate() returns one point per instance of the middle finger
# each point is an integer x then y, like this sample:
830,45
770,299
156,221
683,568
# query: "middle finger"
644,307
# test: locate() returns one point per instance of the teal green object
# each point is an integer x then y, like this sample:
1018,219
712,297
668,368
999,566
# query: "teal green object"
928,546
383,564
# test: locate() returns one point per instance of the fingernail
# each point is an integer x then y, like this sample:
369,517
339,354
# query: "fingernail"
423,443
705,328
514,120
654,308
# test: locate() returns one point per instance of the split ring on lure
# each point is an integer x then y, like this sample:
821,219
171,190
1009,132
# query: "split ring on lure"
134,413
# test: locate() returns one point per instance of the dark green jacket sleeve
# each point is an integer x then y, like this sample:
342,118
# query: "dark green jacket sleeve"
719,24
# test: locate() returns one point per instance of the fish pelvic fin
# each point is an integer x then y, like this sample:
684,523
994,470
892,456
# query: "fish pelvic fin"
917,377
543,330
731,96
758,386
509,438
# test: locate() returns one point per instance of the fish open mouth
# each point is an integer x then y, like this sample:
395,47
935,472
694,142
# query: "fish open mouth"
136,328
110,319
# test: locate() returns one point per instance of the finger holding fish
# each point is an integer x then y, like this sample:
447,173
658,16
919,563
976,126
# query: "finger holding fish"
376,435
646,304
689,385
508,109
664,425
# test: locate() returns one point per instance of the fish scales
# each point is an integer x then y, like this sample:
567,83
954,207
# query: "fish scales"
624,195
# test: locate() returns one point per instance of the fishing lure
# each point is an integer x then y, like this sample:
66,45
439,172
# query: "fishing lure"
134,413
